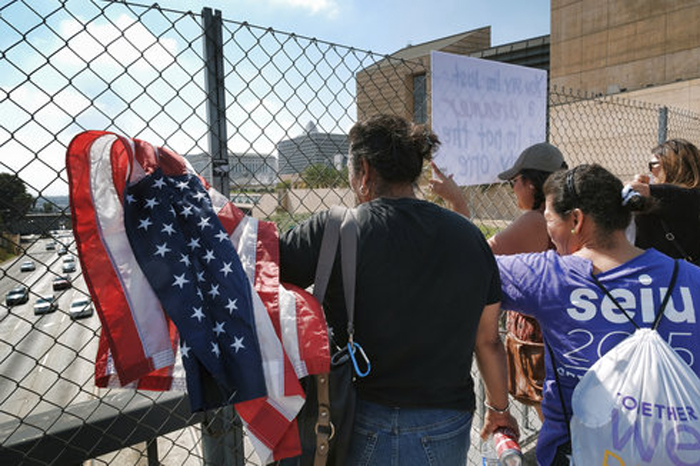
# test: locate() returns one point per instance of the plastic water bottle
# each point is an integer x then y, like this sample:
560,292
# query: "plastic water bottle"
501,449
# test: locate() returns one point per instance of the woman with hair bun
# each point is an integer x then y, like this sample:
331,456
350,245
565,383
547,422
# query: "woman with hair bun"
674,226
587,211
426,282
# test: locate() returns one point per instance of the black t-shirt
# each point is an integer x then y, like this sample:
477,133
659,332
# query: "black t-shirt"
424,275
679,209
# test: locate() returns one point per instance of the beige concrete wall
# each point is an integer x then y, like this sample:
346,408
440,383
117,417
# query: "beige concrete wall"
685,95
303,201
631,44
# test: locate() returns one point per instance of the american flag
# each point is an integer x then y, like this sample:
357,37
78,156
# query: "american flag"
182,279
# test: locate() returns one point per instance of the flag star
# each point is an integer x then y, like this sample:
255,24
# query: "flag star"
200,195
227,269
130,199
161,249
199,293
221,236
209,256
151,203
159,183
198,314
182,185
145,223
185,259
194,243
168,228
232,306
172,211
204,222
214,292
180,280
219,328
185,350
237,343
187,211
215,349
200,276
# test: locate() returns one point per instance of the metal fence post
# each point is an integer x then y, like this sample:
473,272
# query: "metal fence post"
222,434
216,102
663,124
222,440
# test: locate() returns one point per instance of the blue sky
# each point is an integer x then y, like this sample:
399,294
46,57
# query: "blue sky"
47,94
384,26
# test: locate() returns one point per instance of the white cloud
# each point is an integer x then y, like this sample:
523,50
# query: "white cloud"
326,7
125,39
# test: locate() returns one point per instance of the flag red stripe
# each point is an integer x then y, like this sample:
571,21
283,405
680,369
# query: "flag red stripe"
267,285
264,421
130,360
171,163
314,348
145,155
230,217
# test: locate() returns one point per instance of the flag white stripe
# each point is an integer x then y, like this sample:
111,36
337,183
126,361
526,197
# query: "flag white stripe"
290,337
148,316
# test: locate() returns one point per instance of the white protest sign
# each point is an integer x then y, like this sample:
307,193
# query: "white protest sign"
485,113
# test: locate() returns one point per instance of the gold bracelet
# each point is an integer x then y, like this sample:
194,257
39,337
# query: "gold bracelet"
499,411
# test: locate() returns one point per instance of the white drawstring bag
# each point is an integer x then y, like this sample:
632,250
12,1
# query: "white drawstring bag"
637,405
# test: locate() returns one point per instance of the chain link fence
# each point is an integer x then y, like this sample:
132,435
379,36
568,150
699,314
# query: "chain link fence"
287,101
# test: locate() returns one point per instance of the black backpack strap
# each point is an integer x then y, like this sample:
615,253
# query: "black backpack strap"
657,320
662,308
610,297
559,389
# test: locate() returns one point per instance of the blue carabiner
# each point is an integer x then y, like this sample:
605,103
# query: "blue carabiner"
351,352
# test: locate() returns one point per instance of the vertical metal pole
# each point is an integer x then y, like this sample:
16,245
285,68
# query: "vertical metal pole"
222,438
663,124
222,431
152,452
216,104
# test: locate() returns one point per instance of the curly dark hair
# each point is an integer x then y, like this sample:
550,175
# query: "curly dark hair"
598,193
393,146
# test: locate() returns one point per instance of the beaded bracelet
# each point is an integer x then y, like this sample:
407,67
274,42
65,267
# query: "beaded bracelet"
499,411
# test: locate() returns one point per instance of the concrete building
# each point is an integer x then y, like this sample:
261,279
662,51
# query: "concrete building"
245,170
647,49
312,147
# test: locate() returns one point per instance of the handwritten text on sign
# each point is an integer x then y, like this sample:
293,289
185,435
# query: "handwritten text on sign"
485,113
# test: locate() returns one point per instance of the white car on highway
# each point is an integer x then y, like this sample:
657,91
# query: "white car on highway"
27,266
45,304
80,307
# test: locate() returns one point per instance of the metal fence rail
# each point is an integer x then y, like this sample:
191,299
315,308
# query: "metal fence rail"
262,114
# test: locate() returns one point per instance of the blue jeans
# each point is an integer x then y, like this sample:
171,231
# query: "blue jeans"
385,436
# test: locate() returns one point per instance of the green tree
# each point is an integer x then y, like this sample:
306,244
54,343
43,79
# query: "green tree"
15,201
324,176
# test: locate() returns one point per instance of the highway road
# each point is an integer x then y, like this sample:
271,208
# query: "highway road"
46,361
